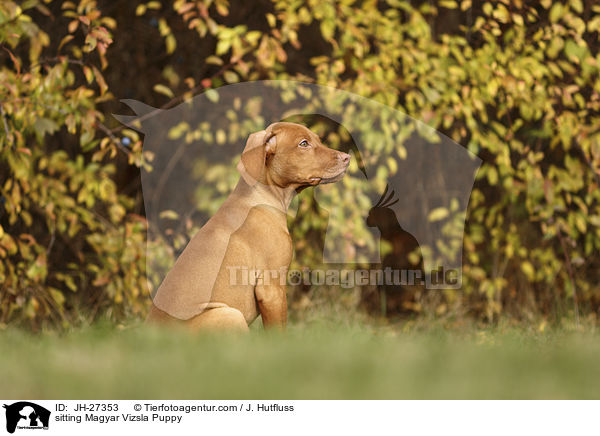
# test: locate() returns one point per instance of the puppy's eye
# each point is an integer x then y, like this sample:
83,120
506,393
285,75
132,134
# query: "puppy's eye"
304,144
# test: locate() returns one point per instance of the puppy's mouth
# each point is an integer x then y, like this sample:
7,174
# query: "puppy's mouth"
325,180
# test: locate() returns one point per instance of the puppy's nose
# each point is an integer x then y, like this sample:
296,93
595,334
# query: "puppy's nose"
345,157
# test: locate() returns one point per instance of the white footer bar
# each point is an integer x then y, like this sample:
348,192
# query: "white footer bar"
298,417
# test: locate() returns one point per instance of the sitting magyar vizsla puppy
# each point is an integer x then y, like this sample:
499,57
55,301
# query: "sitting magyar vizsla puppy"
209,287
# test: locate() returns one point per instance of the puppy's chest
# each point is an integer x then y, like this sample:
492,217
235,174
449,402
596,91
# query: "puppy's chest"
267,248
266,230
279,249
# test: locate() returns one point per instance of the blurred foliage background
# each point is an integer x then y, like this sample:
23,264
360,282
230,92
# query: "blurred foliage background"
515,82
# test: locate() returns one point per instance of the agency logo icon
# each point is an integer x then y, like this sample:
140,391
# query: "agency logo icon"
26,415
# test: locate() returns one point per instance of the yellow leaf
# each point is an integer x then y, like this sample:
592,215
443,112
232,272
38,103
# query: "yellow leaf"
580,223
169,214
223,46
222,9
230,77
221,136
162,89
448,4
401,152
57,296
556,12
528,270
65,40
576,5
328,28
72,27
212,95
392,165
171,43
492,176
438,214
87,72
214,60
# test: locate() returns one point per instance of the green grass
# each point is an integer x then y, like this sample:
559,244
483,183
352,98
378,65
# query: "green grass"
306,362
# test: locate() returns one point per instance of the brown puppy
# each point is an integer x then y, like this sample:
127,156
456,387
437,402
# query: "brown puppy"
212,284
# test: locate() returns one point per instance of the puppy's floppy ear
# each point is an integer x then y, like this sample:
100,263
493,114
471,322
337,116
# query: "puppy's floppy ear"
254,157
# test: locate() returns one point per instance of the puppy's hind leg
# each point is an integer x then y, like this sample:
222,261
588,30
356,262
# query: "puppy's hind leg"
219,318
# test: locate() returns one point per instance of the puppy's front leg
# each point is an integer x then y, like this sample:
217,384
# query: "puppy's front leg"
272,303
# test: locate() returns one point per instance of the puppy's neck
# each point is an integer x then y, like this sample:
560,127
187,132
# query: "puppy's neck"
267,194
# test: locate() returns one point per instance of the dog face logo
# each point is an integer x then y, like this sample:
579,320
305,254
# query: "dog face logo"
26,415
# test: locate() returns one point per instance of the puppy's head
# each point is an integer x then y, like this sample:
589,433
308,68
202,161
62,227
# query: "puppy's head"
288,154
